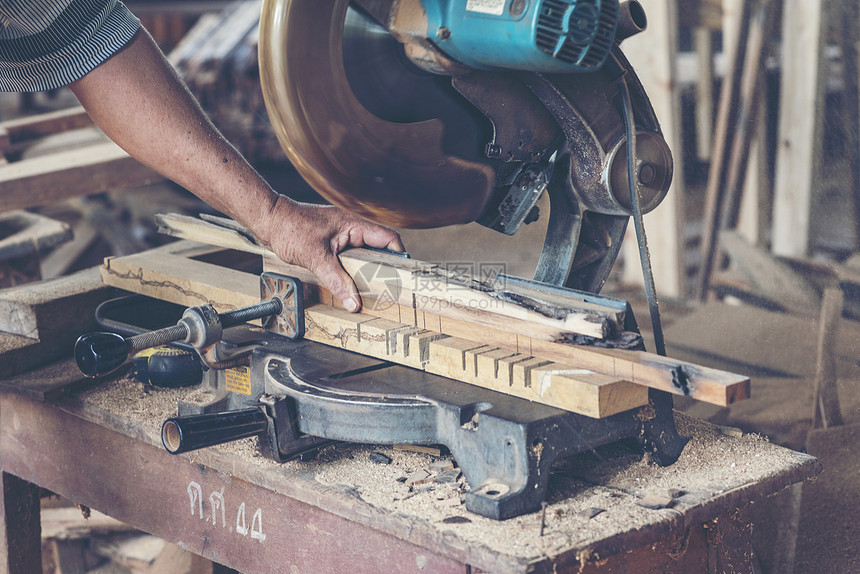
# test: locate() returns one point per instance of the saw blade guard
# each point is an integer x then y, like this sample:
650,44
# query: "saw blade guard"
393,173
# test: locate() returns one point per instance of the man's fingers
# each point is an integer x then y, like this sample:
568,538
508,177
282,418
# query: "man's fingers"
376,236
396,244
339,283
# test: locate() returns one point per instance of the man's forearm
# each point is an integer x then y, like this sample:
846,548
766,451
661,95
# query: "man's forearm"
138,100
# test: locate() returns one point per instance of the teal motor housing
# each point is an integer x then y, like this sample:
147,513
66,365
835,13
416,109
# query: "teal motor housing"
552,36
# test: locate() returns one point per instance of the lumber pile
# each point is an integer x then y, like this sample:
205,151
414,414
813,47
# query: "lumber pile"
217,58
418,317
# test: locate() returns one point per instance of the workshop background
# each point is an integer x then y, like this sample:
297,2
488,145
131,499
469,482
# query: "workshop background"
755,250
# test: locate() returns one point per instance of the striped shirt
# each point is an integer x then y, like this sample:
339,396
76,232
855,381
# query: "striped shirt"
45,44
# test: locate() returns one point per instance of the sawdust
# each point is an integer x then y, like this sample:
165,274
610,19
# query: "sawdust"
612,479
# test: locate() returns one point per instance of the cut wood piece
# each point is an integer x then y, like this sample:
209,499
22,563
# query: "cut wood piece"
451,355
663,373
385,280
608,395
91,169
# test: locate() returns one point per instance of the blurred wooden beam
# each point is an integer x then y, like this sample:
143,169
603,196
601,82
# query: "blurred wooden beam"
801,110
653,55
700,14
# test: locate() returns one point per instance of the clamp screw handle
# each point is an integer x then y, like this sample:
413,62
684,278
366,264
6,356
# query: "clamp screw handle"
100,353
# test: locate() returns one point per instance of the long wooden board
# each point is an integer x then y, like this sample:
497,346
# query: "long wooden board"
375,273
385,280
583,379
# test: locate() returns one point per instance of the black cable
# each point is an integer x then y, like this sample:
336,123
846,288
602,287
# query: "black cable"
639,225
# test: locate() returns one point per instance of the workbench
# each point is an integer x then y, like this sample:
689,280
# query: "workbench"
98,444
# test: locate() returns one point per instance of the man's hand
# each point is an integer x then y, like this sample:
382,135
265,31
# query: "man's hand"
313,235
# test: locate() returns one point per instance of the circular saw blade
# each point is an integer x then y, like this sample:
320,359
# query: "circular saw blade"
391,87
405,174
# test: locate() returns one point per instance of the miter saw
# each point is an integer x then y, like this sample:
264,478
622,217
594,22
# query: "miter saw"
422,113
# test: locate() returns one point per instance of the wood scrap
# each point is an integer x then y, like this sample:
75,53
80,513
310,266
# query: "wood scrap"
724,130
431,450
60,260
39,323
770,275
23,233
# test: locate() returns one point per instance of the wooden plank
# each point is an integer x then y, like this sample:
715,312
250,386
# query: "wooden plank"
524,376
92,169
752,96
31,127
758,185
801,109
704,45
663,373
737,29
181,280
385,280
414,346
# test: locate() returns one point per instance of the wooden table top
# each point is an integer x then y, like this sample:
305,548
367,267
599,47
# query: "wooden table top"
595,500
